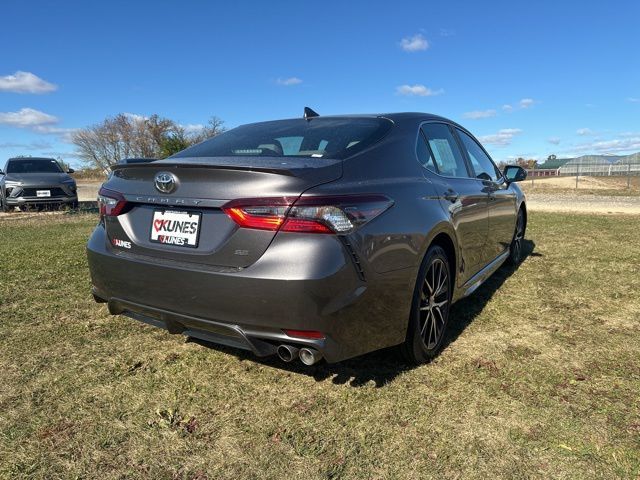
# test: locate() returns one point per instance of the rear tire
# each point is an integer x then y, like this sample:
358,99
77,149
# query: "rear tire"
429,308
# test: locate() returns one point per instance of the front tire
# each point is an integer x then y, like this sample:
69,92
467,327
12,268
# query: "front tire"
429,309
517,243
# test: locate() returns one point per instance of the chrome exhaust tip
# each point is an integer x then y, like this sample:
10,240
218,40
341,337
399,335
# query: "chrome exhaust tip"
287,353
309,356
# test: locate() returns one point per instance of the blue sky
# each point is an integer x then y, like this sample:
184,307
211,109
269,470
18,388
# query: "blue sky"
527,78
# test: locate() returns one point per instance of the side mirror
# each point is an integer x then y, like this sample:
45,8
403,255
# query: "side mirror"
514,173
71,170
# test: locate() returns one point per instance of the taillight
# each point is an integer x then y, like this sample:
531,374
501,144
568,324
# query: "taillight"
110,203
322,214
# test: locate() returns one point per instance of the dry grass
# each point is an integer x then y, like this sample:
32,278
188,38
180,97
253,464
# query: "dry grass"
541,378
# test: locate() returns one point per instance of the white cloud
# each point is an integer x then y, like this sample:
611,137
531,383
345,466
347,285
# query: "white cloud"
585,132
36,121
27,118
633,99
417,90
476,114
37,145
629,144
414,43
25,82
502,138
554,140
65,134
629,134
526,102
287,82
522,104
192,127
136,117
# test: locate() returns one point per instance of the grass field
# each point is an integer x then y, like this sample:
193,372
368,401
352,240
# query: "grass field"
541,378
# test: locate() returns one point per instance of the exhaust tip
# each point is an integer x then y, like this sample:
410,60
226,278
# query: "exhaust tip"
309,356
287,353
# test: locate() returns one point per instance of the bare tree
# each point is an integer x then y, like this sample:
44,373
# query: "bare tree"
125,136
215,126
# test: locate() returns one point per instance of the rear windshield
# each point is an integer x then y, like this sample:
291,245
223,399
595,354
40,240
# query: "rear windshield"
336,138
31,165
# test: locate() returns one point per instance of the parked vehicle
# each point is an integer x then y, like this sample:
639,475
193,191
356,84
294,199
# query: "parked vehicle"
319,237
36,182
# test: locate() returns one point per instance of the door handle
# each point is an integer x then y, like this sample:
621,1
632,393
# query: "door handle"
450,195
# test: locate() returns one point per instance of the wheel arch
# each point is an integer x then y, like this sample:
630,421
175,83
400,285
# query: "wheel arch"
523,207
444,241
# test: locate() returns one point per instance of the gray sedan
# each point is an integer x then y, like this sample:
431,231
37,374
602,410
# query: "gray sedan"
310,238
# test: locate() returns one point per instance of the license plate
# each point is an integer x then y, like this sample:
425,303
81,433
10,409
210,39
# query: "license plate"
43,193
171,227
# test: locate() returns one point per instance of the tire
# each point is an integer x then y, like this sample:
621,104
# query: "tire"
429,308
515,249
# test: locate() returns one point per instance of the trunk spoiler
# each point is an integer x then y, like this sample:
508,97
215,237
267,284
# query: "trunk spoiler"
280,171
293,167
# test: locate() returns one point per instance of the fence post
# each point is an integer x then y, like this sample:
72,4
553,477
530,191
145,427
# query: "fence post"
577,173
629,175
533,173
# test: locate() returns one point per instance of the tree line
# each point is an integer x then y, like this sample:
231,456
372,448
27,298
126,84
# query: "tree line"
131,136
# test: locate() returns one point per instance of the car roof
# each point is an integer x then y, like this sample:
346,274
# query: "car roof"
396,117
32,158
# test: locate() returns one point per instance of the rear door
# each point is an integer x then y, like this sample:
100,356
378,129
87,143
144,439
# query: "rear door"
501,198
200,189
460,194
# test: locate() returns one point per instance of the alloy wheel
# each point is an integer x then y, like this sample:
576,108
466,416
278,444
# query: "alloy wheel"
434,303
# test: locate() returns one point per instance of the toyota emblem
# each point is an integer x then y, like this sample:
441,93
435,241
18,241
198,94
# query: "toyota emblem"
165,182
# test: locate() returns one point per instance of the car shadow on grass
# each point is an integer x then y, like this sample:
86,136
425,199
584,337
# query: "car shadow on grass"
383,366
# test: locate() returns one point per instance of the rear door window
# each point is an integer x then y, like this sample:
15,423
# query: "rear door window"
424,154
444,147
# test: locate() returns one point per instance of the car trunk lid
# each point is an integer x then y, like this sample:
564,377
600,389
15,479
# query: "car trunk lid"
202,186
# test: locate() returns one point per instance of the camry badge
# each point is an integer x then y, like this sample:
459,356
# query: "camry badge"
165,182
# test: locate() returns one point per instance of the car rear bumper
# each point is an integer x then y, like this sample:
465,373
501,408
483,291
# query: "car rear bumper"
302,282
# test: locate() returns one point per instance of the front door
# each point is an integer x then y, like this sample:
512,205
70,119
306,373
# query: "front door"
501,198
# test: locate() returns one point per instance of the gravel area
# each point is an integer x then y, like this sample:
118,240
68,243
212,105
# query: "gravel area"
567,202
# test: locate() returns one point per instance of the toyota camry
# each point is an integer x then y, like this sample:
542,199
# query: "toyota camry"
309,238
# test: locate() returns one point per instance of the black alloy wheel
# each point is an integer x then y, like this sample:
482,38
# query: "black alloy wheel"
430,309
